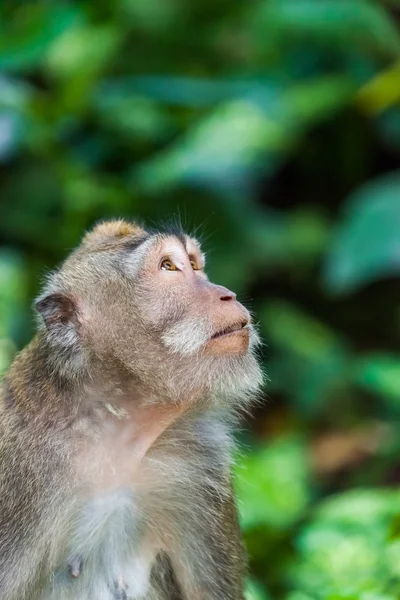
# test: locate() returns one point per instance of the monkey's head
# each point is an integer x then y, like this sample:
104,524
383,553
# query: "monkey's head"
129,303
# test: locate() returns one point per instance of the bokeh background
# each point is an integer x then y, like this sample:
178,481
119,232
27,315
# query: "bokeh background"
272,128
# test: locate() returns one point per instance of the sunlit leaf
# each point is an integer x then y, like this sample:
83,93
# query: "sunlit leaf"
338,560
376,596
221,150
25,40
382,91
272,484
345,551
232,144
360,507
380,373
13,295
255,591
81,49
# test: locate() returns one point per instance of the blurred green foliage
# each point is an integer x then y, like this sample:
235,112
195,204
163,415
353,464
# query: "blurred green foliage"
274,127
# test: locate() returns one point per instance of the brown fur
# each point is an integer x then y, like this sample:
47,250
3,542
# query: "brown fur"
111,231
115,429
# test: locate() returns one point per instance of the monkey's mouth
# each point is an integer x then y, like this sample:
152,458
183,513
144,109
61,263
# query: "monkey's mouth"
235,328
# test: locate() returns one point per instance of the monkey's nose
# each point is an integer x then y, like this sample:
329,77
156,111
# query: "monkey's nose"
225,295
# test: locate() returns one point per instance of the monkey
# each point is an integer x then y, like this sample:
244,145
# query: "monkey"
116,421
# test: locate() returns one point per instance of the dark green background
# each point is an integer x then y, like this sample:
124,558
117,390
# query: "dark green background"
273,126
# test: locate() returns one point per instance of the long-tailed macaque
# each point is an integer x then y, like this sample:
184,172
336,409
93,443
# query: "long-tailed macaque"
115,428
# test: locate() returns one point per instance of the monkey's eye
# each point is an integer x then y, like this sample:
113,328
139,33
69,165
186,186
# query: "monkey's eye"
168,265
194,264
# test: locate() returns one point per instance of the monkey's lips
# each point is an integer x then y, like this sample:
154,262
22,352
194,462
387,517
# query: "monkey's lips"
235,328
233,339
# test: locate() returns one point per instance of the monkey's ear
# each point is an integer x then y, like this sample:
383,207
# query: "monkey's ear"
57,310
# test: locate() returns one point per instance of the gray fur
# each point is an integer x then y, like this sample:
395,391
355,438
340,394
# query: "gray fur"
116,353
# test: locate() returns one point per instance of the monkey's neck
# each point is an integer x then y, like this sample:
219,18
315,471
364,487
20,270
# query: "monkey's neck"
141,426
33,388
39,392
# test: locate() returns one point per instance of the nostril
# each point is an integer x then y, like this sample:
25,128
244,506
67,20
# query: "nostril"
223,293
227,295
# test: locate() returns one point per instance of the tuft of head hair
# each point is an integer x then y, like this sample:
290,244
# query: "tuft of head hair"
111,232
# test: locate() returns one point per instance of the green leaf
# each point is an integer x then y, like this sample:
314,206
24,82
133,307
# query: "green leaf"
312,338
359,22
133,116
360,507
366,245
82,50
380,373
25,39
13,295
345,552
194,91
310,102
272,484
220,150
152,16
382,91
299,596
377,596
388,125
254,591
14,94
392,555
244,137
310,360
338,561
11,132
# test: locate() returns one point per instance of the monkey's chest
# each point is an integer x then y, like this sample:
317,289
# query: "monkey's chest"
111,548
108,555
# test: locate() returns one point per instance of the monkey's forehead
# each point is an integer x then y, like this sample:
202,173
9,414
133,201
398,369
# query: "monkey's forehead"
190,244
111,235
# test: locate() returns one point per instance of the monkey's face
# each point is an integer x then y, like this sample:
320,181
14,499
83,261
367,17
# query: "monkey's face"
194,333
181,308
143,303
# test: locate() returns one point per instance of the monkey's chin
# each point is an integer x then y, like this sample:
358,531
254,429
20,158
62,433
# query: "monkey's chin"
233,343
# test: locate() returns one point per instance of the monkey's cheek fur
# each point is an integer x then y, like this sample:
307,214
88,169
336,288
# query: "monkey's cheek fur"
234,343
